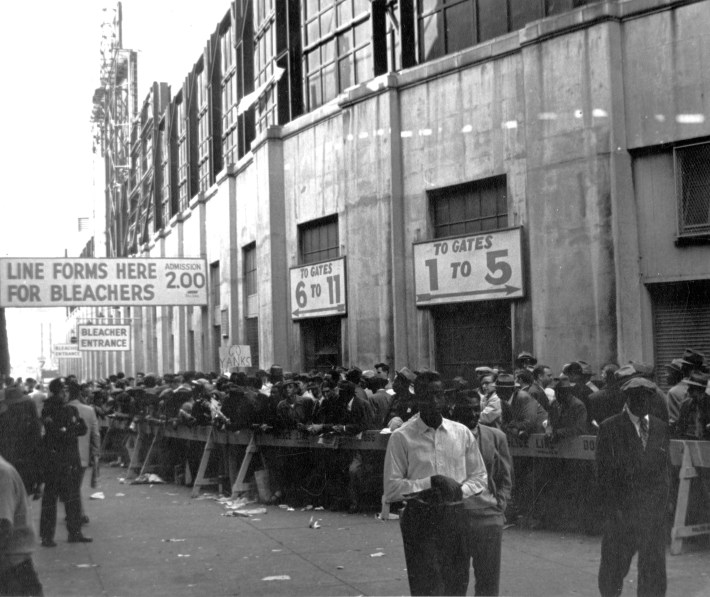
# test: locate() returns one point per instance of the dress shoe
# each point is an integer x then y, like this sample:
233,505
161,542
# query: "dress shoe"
84,519
79,539
48,543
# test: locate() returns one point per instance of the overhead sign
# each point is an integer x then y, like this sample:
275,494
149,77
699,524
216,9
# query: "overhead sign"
65,351
319,289
104,337
475,267
231,357
68,282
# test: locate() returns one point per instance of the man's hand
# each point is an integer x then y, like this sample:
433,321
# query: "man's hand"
450,489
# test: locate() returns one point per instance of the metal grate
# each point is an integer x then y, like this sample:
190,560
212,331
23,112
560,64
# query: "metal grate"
692,172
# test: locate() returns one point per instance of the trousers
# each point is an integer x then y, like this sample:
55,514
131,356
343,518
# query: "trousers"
65,485
21,580
623,538
435,549
485,538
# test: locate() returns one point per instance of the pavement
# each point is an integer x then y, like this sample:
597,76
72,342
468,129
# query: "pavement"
155,540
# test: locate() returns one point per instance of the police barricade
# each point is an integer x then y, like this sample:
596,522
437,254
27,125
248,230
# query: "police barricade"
689,456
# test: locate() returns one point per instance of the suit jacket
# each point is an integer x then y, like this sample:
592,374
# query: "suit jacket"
20,435
524,413
568,418
89,443
632,480
62,427
499,466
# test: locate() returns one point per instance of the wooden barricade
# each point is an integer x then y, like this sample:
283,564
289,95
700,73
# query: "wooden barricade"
691,456
688,455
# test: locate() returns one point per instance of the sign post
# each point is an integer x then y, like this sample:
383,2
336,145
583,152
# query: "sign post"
475,267
319,289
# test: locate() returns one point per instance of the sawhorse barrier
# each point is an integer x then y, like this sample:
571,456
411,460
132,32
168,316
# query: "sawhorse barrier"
688,455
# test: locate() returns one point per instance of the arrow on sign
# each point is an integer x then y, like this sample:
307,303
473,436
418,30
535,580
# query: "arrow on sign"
508,290
336,308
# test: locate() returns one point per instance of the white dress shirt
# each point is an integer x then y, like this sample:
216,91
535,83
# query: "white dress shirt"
636,420
415,452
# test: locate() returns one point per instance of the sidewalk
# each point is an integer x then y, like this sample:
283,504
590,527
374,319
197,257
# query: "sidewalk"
156,540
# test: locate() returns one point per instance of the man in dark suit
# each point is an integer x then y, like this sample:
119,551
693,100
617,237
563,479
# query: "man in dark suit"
632,456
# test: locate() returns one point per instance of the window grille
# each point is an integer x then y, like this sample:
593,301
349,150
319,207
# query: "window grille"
470,208
692,174
319,240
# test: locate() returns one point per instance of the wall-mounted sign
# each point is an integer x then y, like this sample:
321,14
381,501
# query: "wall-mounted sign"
319,289
475,267
235,356
65,351
28,282
102,337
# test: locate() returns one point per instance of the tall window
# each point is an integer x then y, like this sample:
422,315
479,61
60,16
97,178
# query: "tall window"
337,50
319,240
244,40
265,51
447,26
183,154
692,174
163,144
470,208
229,93
203,128
250,280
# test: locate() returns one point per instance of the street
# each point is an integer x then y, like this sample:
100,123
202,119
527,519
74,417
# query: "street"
155,540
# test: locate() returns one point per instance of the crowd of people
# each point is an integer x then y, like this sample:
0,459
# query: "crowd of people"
51,439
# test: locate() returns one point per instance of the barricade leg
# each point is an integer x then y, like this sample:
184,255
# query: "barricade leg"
157,438
135,463
687,473
200,479
239,485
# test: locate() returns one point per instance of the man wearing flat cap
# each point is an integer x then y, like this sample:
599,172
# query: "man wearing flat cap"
632,455
525,360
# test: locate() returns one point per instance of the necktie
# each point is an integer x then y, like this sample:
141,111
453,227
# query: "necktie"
643,431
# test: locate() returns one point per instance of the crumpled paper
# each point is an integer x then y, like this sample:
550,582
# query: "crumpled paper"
99,495
147,478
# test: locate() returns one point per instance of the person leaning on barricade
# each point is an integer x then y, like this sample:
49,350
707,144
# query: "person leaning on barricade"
404,406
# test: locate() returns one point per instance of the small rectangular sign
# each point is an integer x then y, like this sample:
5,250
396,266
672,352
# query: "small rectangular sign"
474,267
319,289
235,356
65,351
100,337
69,282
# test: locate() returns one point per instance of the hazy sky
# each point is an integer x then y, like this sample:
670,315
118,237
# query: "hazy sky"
50,71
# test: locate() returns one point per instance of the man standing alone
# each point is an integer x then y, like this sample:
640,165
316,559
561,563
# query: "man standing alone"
632,466
434,464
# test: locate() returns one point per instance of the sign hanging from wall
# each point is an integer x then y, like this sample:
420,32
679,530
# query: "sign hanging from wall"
100,337
475,267
69,282
319,289
65,351
235,356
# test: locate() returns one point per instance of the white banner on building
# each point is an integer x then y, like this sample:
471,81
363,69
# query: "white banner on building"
319,289
65,351
69,282
475,267
100,337
235,356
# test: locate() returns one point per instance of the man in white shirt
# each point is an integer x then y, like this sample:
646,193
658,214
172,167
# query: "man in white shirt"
434,464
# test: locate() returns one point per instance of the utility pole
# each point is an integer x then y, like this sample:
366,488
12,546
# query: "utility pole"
4,348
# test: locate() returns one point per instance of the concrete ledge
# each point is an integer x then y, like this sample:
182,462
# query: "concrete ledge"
197,199
272,132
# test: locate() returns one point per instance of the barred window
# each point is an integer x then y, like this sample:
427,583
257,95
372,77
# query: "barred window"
319,240
250,281
470,208
692,174
337,47
265,54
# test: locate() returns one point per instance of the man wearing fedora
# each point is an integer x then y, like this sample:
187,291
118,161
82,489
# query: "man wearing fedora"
632,455
679,370
694,417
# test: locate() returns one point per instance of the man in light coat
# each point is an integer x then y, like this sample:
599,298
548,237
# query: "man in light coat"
90,443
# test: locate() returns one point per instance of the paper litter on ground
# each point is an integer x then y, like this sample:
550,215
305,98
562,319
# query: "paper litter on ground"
377,554
281,577
146,479
99,495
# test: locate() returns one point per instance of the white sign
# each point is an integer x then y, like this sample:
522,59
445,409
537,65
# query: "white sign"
318,289
104,337
27,282
231,357
65,351
475,267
